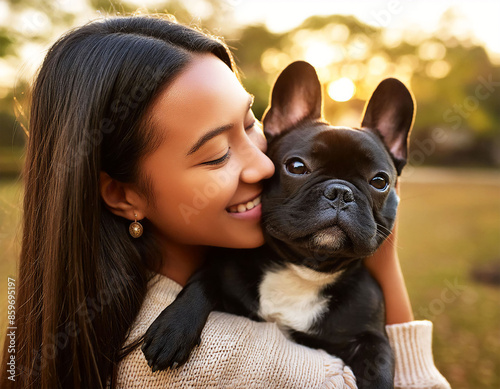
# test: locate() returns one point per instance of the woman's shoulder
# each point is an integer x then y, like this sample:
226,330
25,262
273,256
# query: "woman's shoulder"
234,352
161,291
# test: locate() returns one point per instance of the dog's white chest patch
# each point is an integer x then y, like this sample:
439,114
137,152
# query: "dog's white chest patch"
292,298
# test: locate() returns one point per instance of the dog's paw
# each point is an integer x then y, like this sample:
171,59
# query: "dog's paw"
169,340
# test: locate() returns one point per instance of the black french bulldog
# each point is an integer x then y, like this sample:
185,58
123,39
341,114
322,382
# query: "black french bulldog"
330,204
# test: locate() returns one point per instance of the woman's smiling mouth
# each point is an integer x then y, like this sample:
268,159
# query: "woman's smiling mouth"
244,207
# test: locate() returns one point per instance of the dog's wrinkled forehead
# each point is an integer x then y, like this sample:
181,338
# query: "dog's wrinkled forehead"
335,148
341,146
348,143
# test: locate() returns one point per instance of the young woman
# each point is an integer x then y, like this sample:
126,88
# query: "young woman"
140,126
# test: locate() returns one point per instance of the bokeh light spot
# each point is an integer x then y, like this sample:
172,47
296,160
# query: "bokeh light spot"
342,89
432,51
437,69
321,54
273,60
377,65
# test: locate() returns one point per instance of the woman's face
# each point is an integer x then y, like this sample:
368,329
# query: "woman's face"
212,157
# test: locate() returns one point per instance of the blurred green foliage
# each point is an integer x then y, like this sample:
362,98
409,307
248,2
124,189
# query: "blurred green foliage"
464,103
456,86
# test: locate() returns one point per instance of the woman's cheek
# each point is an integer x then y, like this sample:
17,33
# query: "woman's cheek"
211,190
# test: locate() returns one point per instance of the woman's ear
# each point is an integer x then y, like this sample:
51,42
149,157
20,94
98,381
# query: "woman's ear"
120,198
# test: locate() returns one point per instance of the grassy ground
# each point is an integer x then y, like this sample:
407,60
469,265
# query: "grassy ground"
446,229
449,223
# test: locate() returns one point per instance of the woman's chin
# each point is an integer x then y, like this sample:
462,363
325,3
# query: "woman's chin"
249,240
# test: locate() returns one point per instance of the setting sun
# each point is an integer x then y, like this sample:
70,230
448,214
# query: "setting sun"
342,89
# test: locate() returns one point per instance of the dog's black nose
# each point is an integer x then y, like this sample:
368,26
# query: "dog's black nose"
339,194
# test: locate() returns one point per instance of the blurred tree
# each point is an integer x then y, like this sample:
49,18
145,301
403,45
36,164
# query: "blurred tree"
456,86
248,50
455,83
31,23
5,42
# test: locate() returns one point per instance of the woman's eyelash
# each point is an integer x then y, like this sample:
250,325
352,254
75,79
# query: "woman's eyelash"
251,125
219,160
227,155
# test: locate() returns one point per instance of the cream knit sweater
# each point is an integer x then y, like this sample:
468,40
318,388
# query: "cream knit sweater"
236,352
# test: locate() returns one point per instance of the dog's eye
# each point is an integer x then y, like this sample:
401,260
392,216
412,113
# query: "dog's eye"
380,181
296,166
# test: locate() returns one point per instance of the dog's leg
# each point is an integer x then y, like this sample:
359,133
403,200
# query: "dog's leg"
368,354
176,331
371,359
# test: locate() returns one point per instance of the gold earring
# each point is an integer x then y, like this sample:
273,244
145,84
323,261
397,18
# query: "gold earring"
135,228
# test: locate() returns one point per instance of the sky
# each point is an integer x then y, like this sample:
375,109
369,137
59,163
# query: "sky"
478,20
480,17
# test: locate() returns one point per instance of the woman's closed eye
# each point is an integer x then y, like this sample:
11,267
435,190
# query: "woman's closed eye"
250,126
220,160
225,157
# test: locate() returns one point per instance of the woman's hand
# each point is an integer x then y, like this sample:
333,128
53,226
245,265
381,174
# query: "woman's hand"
384,267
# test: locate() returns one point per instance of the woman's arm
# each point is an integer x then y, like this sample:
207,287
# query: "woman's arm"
384,267
411,340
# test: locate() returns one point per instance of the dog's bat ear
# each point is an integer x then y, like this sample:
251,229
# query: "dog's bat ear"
390,111
296,96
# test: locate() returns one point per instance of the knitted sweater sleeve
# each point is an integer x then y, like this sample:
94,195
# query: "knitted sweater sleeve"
412,346
236,352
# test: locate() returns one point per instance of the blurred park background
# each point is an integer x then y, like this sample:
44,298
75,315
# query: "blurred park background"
447,52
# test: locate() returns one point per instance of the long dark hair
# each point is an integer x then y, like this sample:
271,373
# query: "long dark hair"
82,277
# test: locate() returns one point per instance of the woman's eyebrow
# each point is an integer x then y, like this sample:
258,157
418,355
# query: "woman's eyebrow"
209,135
216,131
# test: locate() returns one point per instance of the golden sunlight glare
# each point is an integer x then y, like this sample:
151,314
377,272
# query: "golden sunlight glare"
342,89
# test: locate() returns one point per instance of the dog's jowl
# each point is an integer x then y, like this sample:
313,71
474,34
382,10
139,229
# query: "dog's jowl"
330,204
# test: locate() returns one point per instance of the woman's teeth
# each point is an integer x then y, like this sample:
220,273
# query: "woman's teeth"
245,207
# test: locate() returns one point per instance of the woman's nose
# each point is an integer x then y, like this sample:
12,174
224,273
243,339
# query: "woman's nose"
257,165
